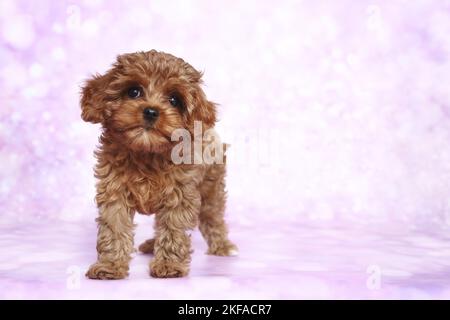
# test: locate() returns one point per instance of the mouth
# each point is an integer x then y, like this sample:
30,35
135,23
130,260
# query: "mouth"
151,133
130,128
151,129
145,127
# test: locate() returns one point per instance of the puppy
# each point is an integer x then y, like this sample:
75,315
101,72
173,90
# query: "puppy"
140,102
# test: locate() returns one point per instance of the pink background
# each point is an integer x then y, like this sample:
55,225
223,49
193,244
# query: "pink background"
338,113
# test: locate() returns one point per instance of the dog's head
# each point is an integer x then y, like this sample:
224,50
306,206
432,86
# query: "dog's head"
144,97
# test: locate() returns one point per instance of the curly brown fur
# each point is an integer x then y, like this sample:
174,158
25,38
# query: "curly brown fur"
135,172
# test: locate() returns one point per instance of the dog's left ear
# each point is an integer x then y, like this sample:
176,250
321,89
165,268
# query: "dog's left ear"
204,110
93,99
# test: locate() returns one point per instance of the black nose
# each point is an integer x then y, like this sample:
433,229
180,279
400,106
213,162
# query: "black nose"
150,114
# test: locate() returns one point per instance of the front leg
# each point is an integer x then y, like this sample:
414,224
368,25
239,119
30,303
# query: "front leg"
172,246
114,240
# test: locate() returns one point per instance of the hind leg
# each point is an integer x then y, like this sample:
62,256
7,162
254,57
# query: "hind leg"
212,223
148,246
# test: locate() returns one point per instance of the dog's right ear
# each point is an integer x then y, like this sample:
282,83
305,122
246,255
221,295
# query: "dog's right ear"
93,99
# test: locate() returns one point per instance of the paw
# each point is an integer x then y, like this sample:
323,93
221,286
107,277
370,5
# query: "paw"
225,249
147,246
168,269
106,271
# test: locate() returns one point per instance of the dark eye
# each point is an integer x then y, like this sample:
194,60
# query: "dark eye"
135,92
175,101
